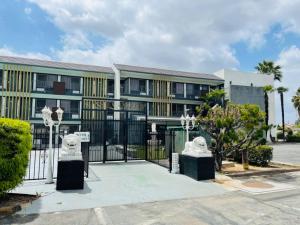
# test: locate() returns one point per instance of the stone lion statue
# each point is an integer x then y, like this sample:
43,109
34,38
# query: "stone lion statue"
197,148
71,146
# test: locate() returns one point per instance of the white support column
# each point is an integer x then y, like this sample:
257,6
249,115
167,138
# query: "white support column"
184,90
59,78
80,108
58,103
5,80
34,82
117,92
33,108
147,87
81,85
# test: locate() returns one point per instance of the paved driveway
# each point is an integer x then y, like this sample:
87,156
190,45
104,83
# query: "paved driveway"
287,153
118,183
236,208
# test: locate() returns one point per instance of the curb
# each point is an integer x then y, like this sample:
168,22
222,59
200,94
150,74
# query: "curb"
247,174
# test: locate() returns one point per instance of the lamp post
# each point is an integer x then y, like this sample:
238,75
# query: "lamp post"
49,122
185,123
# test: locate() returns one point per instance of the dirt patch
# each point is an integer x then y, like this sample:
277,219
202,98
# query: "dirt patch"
257,184
12,203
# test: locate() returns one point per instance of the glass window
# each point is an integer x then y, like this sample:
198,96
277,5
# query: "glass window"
134,85
142,86
41,103
45,80
150,87
189,89
178,89
71,83
110,84
177,110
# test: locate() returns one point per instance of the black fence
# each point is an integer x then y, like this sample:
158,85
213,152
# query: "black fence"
160,147
38,156
116,139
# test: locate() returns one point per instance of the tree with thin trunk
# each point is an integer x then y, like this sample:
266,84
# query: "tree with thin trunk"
280,91
267,89
269,67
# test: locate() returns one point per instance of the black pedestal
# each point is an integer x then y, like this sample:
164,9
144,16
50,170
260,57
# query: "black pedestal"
198,168
70,175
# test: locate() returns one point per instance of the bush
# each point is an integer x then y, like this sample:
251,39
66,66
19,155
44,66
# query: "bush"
280,135
260,156
293,138
15,144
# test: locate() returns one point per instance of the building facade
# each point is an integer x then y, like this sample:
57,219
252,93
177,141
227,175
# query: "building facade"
27,85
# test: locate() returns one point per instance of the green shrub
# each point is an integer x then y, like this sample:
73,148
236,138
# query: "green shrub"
261,155
280,135
15,144
293,138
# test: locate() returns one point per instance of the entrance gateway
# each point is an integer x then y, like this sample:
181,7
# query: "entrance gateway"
118,129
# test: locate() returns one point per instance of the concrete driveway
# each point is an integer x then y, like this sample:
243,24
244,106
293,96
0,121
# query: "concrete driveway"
115,184
236,208
287,153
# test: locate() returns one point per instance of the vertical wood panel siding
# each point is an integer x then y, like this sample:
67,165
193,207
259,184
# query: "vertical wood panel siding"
95,86
18,90
162,98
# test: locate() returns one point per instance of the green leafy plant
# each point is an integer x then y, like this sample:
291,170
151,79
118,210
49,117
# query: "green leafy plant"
260,155
15,144
293,137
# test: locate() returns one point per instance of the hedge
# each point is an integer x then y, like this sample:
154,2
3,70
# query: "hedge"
293,138
15,144
260,156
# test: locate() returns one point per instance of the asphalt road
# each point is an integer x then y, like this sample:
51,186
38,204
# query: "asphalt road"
287,153
234,207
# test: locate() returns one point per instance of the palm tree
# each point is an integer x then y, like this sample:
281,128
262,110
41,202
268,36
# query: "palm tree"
268,67
296,101
280,91
267,89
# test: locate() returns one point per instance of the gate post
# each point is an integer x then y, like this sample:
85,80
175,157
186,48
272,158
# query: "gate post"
125,125
105,137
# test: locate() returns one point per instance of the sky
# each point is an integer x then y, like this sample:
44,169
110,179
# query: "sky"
198,36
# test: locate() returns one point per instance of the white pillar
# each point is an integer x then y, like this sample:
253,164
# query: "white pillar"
59,78
34,82
4,80
147,87
50,160
81,85
184,90
33,108
117,92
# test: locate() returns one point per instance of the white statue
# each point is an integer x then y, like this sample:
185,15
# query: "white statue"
197,148
71,147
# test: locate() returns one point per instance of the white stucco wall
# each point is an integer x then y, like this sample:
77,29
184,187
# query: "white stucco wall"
246,79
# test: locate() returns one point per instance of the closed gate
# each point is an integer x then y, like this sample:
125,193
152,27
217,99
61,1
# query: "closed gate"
115,135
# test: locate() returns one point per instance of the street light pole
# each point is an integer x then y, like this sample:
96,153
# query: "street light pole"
49,122
185,123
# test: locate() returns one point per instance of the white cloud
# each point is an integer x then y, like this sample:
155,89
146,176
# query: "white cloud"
193,36
33,55
289,60
27,11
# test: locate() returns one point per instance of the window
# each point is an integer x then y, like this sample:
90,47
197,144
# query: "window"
192,110
142,86
45,81
178,89
72,84
204,89
110,84
71,109
189,90
177,110
41,103
151,87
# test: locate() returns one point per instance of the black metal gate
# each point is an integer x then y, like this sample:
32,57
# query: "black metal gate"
115,135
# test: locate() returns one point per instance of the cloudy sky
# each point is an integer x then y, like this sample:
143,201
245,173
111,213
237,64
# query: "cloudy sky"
200,36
